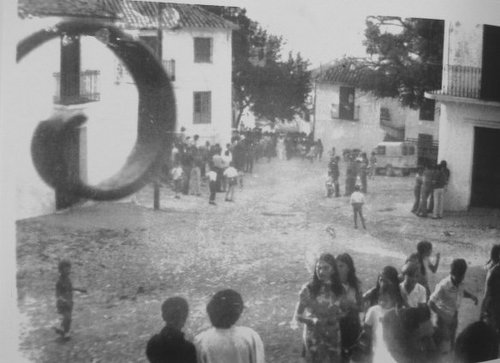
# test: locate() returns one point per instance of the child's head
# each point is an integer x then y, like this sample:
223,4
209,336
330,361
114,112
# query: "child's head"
410,272
64,267
495,254
174,311
224,308
458,269
389,276
424,248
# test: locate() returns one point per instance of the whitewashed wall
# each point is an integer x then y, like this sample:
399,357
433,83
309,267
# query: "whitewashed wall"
191,77
457,148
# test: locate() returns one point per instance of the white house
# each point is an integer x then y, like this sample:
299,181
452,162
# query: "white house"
197,56
469,125
345,117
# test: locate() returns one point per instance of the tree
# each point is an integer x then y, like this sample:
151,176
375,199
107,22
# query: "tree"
406,58
262,82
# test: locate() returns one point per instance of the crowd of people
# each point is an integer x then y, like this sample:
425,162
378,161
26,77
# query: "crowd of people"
400,319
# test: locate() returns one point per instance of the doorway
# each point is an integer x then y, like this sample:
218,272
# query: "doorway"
486,168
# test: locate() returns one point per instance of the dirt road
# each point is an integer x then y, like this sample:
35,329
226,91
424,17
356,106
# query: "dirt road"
130,258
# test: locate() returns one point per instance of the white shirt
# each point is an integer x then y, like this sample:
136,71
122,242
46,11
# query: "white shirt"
177,173
447,296
237,344
357,197
373,318
212,176
230,172
416,296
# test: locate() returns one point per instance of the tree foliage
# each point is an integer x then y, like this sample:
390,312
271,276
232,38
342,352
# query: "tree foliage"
270,87
406,57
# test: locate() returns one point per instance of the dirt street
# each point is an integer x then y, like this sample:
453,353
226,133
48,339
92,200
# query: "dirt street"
130,258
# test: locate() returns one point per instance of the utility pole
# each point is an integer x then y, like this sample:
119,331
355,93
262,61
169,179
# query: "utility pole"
159,53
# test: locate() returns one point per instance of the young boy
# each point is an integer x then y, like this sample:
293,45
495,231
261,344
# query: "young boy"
170,345
225,342
357,201
64,298
231,175
413,294
212,185
177,175
445,302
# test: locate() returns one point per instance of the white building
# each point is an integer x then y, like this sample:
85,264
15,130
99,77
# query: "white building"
469,134
197,56
345,117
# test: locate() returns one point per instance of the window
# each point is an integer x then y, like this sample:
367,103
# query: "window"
202,107
202,50
380,150
427,110
346,108
384,114
169,66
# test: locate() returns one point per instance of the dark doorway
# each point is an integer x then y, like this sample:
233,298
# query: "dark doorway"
486,168
490,79
346,109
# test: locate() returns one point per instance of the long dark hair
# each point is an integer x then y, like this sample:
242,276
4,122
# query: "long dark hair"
336,286
352,279
423,248
390,273
494,255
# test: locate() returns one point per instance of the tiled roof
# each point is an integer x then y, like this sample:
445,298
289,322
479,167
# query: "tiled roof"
144,15
77,8
342,72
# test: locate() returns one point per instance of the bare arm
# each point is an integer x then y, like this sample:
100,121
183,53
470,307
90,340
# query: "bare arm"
300,317
471,296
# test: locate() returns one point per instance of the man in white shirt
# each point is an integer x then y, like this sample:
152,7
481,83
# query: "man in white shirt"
225,342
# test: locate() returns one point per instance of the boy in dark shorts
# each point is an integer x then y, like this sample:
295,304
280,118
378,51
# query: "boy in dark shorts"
64,298
170,345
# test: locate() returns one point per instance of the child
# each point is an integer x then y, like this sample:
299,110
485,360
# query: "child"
170,345
231,175
177,175
422,259
382,331
212,185
445,302
357,201
225,342
64,298
413,294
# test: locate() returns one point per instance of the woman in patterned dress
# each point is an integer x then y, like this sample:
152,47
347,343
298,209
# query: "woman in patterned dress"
320,307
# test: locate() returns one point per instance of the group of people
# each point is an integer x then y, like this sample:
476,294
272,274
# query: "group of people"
430,185
358,170
399,319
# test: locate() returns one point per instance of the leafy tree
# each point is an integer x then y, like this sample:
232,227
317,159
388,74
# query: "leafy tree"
262,81
406,57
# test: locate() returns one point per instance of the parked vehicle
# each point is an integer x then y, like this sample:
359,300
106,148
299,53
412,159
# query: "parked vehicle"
396,157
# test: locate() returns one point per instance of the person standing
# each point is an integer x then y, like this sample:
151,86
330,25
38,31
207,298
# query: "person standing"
320,308
426,191
231,177
373,165
490,307
438,192
417,189
212,185
357,201
320,149
225,342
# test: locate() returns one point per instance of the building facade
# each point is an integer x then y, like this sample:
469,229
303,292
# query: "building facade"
469,133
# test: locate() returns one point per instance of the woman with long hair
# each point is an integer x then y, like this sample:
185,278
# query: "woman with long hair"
350,325
320,307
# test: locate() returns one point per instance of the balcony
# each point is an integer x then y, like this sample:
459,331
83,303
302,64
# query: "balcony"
81,90
462,81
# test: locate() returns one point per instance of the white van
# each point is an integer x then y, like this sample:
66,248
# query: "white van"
396,157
